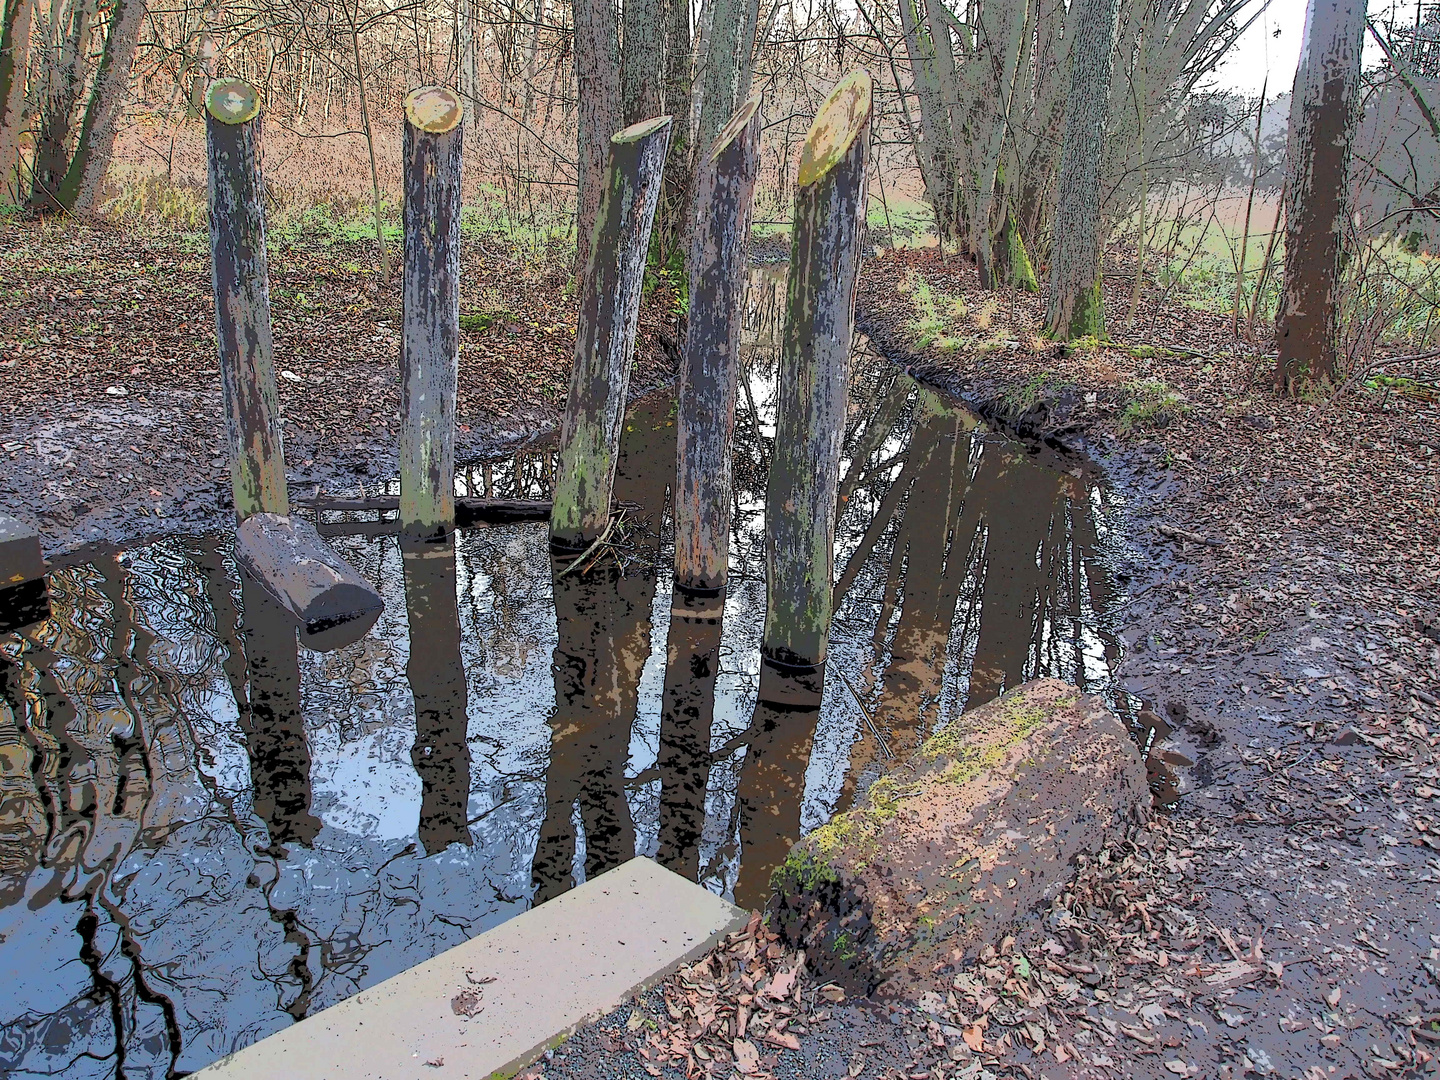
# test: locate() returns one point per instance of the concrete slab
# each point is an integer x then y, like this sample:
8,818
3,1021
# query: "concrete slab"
23,597
554,967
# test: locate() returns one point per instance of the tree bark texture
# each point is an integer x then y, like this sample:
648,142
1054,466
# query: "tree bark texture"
725,62
1005,30
605,337
14,56
85,178
1076,307
241,279
724,193
642,60
936,148
467,51
430,340
1322,122
814,377
435,671
61,82
597,81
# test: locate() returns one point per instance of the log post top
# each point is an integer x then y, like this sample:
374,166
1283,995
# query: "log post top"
635,132
839,120
232,101
433,109
737,123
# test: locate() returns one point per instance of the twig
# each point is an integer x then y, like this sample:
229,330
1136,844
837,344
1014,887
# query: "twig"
1175,533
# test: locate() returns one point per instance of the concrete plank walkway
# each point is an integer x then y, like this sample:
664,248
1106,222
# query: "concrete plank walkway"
553,968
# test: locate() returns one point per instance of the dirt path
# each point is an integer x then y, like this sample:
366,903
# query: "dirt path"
110,413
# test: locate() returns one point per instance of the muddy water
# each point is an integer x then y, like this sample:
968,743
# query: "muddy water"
206,833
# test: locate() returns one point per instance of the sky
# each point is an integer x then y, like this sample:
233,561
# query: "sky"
1259,51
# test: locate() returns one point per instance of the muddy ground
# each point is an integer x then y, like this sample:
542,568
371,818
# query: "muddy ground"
1277,920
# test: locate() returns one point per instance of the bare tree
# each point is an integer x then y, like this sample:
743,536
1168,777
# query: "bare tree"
597,81
85,177
1322,123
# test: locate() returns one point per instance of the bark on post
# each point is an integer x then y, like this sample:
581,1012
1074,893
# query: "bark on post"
605,339
1322,122
241,278
1076,306
430,343
723,202
814,381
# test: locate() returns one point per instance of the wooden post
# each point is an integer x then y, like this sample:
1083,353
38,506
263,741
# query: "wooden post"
605,337
430,346
242,299
724,191
814,382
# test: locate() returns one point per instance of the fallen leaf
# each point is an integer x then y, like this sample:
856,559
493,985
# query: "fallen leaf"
747,1057
974,1037
782,1039
781,985
1178,1067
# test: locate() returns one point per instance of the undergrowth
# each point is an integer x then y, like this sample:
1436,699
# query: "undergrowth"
1152,404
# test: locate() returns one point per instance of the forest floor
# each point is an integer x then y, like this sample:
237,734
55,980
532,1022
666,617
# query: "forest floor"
1277,919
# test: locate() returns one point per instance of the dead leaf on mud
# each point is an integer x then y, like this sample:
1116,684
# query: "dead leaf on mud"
747,1057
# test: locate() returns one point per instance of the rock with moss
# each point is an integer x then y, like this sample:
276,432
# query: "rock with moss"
948,849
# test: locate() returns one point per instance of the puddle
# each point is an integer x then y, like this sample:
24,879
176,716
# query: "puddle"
205,833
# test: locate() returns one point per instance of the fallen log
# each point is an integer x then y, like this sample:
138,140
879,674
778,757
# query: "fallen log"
333,605
468,511
24,599
945,851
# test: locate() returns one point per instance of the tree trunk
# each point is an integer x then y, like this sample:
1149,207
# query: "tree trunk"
1005,31
642,60
725,63
597,81
62,79
85,178
936,147
241,279
1322,123
674,201
605,338
1076,306
14,58
814,380
430,345
467,57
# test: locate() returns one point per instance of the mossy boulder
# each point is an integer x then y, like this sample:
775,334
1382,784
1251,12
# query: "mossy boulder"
948,849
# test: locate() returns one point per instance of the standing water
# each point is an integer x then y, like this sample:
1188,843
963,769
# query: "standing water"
206,834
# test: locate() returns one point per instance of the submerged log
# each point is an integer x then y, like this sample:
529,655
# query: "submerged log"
24,599
605,338
814,379
468,511
430,343
948,849
241,280
333,605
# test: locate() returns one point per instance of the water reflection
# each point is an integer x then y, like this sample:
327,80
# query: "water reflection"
228,833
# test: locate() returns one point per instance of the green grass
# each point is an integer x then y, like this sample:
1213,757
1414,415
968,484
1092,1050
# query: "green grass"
1152,404
935,312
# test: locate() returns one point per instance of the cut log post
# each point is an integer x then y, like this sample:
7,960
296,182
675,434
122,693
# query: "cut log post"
333,605
724,192
948,849
242,299
430,343
814,381
436,673
605,336
24,600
